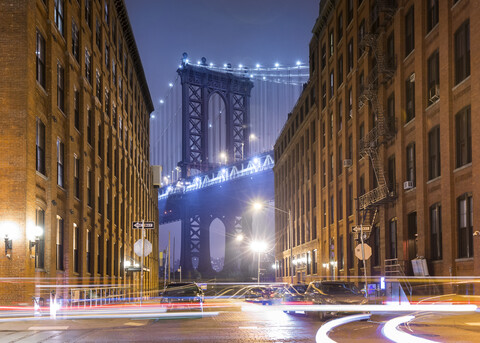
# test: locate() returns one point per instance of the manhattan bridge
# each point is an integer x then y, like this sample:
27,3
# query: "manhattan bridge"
213,137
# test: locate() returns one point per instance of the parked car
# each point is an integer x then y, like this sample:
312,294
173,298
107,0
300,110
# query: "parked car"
254,293
294,294
333,292
182,292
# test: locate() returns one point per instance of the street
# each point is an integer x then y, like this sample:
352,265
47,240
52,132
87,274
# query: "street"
227,321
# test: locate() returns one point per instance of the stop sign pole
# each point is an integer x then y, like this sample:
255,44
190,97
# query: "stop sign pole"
141,263
363,258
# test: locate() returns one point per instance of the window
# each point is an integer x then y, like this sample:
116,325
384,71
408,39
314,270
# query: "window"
40,240
350,55
88,12
314,261
90,187
98,34
361,34
340,27
75,44
411,163
350,104
107,55
324,95
376,245
114,73
332,44
60,87
391,113
393,238
59,15
409,32
341,263
100,139
465,226
432,14
434,153
59,243
331,84
332,207
324,220
60,164
340,71
40,59
361,185
76,176
340,160
391,174
331,167
88,67
40,143
390,53
88,249
324,173
350,199
433,78
350,147
98,84
436,231
76,244
349,11
340,116
106,12
76,109
89,126
340,205
462,52
324,56
410,99
100,196
463,137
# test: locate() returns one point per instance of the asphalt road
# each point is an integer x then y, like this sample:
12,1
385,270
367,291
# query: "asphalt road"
232,321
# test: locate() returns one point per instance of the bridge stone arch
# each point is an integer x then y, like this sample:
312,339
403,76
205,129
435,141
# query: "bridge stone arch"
198,84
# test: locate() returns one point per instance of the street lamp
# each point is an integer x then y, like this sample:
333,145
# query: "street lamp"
259,247
257,206
223,156
239,237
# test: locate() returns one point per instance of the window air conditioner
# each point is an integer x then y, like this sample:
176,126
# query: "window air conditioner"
347,163
412,77
408,185
434,93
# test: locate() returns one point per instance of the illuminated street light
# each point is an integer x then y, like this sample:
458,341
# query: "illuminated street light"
223,156
239,237
259,205
259,247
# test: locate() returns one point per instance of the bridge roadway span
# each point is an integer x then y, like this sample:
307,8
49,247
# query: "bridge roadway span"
225,194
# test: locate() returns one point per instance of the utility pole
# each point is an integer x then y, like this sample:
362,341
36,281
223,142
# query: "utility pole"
169,256
290,224
141,261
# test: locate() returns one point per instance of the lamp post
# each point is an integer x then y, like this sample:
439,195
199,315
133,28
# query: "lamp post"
258,206
259,247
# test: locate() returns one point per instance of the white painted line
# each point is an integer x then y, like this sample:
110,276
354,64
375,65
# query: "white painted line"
47,328
390,331
322,333
474,324
248,327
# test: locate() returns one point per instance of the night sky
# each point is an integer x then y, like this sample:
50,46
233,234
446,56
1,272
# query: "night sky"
223,31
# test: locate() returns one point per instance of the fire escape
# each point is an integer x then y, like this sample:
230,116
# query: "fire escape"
383,130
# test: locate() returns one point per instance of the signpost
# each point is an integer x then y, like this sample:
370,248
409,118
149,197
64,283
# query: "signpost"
145,246
363,250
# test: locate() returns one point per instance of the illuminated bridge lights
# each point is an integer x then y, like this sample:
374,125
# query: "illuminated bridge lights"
238,170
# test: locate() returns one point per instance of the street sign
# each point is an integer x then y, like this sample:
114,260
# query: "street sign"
364,228
147,249
367,251
138,225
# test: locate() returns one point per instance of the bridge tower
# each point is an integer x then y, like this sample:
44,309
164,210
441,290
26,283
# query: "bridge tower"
199,84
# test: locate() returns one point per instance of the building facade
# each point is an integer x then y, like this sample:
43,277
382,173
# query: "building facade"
383,136
75,168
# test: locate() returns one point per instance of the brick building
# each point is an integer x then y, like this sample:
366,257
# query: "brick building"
74,151
384,136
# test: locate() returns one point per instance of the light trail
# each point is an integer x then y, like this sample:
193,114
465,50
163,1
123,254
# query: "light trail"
322,333
390,331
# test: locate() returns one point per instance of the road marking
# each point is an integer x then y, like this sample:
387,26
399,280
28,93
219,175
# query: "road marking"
474,324
134,324
248,327
47,328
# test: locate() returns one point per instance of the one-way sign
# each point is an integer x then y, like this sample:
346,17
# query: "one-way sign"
147,225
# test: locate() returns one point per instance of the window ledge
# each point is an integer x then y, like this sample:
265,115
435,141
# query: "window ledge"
42,175
409,122
431,30
61,188
465,166
409,54
410,190
464,259
434,179
458,85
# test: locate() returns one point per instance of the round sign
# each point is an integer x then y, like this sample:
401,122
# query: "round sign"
147,248
367,251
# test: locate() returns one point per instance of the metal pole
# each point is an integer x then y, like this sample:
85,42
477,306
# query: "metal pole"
364,262
258,274
141,261
169,261
291,245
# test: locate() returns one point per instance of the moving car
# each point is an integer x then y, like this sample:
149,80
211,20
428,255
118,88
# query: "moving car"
333,292
294,294
182,292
